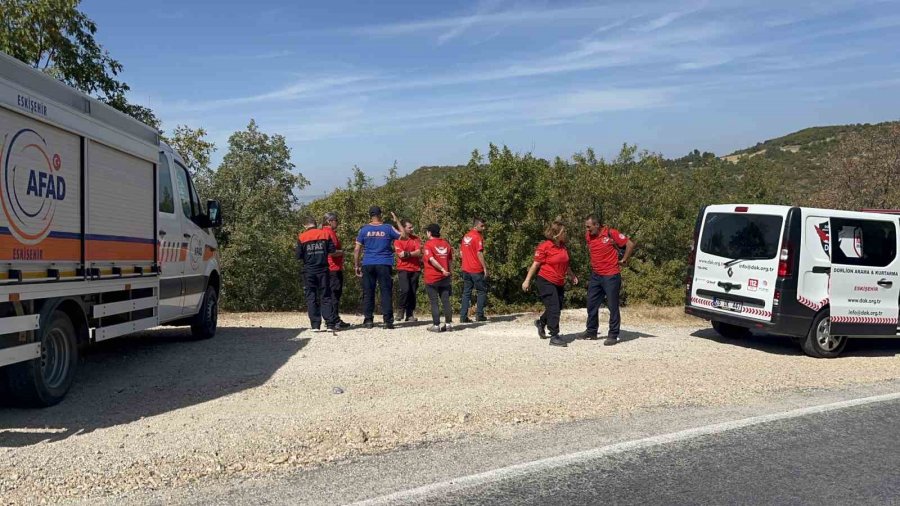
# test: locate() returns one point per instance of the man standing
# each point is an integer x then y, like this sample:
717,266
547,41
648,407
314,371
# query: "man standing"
374,240
335,267
438,256
604,244
313,248
409,267
474,272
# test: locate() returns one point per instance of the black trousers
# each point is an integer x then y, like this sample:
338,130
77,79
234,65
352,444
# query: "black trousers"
552,298
319,301
477,282
336,280
381,275
409,285
601,287
440,291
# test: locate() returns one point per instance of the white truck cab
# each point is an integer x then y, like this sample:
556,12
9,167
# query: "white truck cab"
102,233
821,276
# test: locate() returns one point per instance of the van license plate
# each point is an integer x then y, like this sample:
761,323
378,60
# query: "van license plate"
728,305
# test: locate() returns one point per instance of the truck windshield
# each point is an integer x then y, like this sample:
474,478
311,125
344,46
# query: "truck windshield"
741,236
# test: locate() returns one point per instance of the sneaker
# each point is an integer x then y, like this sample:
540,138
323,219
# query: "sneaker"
556,341
465,319
317,329
330,328
435,328
611,340
369,324
342,325
588,335
388,325
542,330
481,318
411,319
447,327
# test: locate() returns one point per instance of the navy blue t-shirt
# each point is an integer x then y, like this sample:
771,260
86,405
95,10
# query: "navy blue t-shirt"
378,244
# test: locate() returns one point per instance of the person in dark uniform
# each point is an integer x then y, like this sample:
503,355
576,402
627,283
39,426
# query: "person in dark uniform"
375,242
313,248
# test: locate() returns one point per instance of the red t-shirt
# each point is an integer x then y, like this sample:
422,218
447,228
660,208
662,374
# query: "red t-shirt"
410,244
471,244
438,249
554,262
602,247
334,263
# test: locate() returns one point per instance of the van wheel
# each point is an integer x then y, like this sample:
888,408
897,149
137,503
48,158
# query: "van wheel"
819,343
204,324
45,380
730,331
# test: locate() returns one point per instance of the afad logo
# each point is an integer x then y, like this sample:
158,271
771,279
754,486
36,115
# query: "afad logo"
32,188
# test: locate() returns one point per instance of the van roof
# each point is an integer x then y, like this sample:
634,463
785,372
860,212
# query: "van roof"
783,210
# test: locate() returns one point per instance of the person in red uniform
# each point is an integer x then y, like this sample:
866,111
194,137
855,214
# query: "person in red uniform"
313,248
604,243
474,272
330,223
551,264
409,268
437,257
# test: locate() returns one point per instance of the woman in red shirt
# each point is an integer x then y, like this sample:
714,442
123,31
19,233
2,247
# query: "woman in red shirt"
438,256
551,263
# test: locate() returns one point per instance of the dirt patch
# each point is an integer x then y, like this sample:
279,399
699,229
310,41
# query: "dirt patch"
267,395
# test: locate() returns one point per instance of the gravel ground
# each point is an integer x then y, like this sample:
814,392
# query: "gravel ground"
268,396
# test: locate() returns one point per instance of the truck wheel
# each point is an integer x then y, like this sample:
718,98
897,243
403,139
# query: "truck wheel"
44,381
819,343
730,331
204,324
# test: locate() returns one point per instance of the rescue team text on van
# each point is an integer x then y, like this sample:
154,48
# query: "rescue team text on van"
820,276
101,233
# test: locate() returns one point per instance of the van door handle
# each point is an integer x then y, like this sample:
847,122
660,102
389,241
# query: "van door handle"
187,236
821,269
885,283
162,233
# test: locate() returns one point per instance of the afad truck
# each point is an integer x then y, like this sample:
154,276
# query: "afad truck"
102,233
819,276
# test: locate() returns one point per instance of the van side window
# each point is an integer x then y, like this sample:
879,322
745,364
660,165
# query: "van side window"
166,196
867,243
184,193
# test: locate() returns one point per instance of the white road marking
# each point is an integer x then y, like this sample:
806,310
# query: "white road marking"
524,469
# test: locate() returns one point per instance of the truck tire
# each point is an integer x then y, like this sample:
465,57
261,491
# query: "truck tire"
819,343
729,331
204,324
44,381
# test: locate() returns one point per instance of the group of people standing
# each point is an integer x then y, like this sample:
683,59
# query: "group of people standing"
380,246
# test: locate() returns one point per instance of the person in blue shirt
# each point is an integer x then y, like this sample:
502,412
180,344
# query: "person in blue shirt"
376,242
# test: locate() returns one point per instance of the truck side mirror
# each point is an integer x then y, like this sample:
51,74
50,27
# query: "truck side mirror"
214,212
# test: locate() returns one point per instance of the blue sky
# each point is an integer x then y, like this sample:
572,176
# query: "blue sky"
425,83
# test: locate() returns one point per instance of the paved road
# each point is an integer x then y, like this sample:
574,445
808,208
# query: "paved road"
849,456
845,455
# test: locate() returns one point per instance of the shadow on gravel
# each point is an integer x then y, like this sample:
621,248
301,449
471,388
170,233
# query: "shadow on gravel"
151,373
777,345
782,345
624,337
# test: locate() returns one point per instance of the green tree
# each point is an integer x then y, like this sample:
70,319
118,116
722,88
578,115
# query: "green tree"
56,37
256,186
196,150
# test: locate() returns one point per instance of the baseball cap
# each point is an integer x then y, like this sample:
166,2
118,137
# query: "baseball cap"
374,211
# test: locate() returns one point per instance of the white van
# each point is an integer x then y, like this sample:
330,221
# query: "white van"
820,276
102,233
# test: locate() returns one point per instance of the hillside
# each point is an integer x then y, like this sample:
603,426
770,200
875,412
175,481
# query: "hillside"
804,151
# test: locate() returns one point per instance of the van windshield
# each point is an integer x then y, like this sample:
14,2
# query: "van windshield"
741,236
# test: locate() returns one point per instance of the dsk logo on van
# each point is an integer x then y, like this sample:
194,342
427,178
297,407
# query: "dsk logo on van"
823,232
32,186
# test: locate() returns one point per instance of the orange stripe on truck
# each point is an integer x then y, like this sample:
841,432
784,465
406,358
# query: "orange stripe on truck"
119,250
52,249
